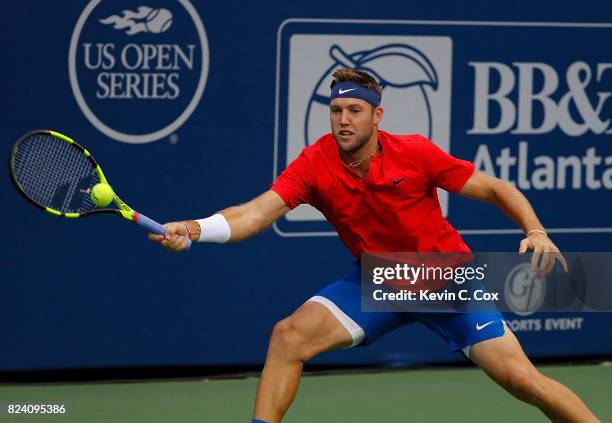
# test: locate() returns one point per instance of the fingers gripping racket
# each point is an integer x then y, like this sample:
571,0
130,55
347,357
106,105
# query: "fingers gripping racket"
57,175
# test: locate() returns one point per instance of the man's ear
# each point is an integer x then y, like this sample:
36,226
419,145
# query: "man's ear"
378,114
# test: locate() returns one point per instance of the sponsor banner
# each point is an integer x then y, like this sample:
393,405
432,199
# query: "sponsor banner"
481,282
197,91
138,71
502,95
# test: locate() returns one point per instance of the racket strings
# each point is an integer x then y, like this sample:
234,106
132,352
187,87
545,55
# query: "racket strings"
55,173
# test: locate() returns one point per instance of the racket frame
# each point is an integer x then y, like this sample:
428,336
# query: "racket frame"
123,210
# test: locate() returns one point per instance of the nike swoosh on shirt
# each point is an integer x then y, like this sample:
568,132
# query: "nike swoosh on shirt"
481,327
397,181
340,91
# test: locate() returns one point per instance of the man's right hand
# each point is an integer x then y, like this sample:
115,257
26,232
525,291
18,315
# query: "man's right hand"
176,236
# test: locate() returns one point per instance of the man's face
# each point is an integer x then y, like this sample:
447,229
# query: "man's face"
352,122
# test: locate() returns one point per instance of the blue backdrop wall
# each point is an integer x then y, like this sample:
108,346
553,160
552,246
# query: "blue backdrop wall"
194,106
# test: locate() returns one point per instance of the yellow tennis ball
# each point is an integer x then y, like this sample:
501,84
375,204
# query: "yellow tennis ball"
102,194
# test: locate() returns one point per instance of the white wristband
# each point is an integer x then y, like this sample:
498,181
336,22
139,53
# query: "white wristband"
214,229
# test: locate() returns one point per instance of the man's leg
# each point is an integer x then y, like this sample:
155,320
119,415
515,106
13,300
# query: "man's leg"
505,362
311,329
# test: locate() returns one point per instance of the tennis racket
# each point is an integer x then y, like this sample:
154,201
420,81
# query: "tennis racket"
56,174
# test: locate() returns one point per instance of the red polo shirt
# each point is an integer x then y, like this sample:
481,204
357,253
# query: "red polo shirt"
395,208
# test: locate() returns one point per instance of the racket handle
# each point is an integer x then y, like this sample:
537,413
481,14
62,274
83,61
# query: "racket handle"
153,226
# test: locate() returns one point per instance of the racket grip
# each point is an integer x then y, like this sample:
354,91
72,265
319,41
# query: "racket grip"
153,226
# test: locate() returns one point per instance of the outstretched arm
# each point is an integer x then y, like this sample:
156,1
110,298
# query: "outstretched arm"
244,220
514,204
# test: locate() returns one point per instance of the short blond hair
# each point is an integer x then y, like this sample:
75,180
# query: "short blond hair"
357,77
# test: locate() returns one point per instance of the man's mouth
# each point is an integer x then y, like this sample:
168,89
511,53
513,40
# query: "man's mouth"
345,133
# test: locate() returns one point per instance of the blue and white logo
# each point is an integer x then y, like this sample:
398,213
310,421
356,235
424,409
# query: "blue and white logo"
524,290
137,71
414,71
406,75
541,121
145,19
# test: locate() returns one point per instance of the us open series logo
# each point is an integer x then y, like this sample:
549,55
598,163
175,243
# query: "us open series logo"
138,71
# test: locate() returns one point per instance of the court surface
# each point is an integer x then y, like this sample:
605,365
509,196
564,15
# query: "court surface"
438,395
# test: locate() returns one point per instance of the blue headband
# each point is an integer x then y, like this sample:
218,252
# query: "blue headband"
352,90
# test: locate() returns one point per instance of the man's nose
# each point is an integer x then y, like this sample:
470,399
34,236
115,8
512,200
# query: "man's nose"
344,117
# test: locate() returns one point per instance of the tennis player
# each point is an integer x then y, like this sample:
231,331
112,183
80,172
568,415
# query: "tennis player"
379,191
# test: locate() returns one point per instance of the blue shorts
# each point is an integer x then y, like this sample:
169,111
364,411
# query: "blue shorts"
461,330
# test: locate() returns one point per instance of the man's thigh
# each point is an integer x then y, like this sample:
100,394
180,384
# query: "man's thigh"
343,299
463,331
499,356
318,328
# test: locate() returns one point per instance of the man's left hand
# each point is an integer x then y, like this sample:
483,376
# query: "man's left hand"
542,248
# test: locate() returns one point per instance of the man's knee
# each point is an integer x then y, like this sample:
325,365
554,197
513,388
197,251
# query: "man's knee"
526,384
291,339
